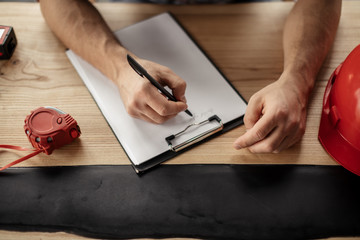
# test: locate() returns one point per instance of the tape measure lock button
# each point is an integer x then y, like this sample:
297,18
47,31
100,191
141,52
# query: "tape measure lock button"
74,133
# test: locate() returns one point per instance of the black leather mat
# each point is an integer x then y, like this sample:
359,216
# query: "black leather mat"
200,201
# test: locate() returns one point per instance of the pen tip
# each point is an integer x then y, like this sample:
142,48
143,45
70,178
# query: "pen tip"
189,113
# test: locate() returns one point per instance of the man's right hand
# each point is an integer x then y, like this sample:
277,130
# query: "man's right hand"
143,100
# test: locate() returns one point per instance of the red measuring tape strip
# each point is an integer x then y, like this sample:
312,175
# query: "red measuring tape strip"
34,153
47,128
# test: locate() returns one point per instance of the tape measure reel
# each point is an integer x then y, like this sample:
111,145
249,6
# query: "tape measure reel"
47,129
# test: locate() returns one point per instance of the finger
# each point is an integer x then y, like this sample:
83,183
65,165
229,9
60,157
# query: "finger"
295,130
270,144
163,106
137,110
260,131
253,112
151,116
178,86
146,118
280,138
290,140
284,144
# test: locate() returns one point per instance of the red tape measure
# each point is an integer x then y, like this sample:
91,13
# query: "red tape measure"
47,129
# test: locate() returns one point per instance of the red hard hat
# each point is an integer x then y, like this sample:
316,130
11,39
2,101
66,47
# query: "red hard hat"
339,131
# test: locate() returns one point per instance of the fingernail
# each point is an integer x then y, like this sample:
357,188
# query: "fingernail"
237,147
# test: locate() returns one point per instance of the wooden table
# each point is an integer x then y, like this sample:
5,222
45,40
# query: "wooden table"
244,40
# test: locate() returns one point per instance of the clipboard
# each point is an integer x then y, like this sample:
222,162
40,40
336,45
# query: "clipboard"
217,106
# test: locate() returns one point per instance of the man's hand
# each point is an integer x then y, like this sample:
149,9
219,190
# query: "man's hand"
143,100
276,115
275,118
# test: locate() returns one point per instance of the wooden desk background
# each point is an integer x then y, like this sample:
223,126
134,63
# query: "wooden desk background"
244,40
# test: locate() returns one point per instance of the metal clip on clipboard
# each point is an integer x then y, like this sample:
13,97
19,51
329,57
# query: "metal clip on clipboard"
196,138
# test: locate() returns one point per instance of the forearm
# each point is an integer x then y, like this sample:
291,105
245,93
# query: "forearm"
81,28
308,35
79,25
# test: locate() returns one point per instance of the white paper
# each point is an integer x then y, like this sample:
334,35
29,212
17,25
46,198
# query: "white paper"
162,40
1,32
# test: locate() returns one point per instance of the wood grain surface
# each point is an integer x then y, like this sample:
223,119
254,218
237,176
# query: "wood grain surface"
244,41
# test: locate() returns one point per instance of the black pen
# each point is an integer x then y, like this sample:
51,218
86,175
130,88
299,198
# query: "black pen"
142,72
